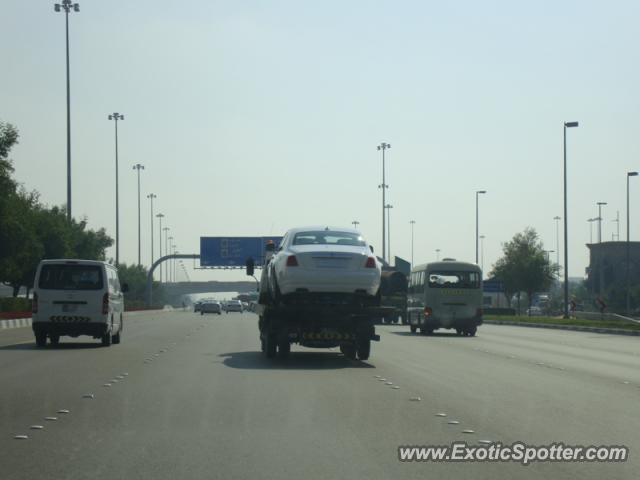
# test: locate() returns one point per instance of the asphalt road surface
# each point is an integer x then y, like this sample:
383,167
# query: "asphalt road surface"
191,397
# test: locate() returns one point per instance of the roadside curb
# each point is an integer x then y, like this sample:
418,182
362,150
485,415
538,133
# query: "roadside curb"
15,323
577,328
26,322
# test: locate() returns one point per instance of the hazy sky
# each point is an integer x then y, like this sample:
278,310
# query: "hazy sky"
252,117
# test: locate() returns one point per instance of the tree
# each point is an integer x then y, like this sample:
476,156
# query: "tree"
524,267
30,231
135,276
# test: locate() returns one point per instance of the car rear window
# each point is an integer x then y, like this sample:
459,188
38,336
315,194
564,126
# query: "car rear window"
325,237
70,277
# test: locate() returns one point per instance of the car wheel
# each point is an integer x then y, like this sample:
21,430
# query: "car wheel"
106,339
55,339
116,337
41,339
413,328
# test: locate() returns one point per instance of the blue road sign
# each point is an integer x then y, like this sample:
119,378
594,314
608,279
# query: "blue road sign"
233,251
492,286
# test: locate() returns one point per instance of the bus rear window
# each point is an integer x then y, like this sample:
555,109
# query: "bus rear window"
454,280
70,277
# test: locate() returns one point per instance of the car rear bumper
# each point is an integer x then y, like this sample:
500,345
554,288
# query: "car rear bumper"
72,328
331,281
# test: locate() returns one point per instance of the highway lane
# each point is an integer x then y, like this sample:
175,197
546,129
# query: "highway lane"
199,401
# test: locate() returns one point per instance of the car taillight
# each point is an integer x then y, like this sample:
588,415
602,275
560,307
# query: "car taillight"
428,311
105,304
292,261
371,263
34,303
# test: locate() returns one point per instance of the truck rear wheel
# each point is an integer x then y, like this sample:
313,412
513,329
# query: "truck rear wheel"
270,345
348,350
284,348
364,349
413,328
41,339
55,339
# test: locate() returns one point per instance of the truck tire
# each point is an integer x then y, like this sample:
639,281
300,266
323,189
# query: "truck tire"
41,339
270,345
284,348
471,331
364,348
55,339
348,350
413,328
426,330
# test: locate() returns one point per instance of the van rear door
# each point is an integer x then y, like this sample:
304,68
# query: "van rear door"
71,289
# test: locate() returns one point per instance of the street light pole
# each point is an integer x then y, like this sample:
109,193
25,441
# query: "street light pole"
478,192
166,248
412,222
160,217
115,117
139,167
151,196
629,174
616,220
600,204
482,253
557,219
437,254
388,206
170,245
566,224
67,6
383,146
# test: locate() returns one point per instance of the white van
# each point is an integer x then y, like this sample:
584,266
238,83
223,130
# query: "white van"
77,297
446,294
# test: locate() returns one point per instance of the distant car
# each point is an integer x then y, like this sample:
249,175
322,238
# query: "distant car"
534,312
211,306
234,306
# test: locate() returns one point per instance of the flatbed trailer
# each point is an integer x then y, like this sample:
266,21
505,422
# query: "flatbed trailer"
347,326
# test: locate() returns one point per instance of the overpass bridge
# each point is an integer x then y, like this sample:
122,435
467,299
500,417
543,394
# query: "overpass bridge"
176,290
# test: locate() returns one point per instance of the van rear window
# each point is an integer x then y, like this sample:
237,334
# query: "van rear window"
454,280
70,277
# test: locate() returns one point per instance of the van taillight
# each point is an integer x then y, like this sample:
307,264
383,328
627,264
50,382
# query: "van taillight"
428,311
292,261
371,263
34,303
105,304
